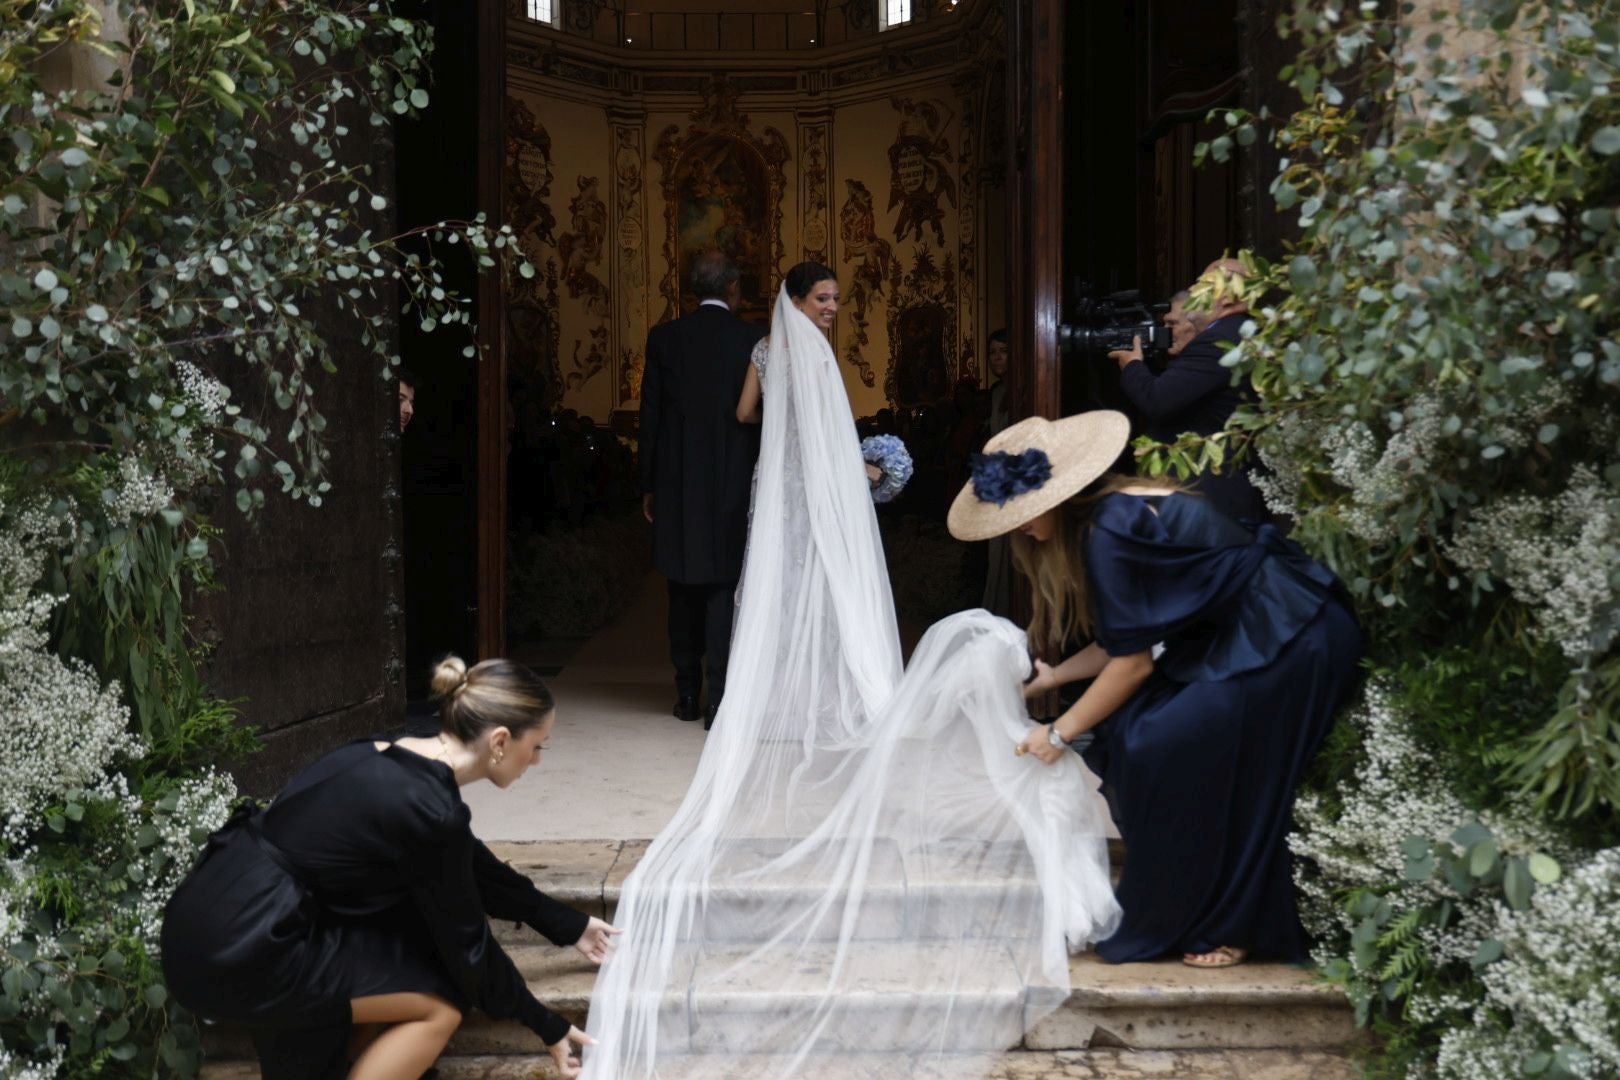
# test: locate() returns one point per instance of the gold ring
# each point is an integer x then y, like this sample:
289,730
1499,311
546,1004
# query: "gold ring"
1020,750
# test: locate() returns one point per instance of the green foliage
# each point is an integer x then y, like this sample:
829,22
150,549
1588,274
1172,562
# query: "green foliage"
79,984
1437,370
1437,365
191,237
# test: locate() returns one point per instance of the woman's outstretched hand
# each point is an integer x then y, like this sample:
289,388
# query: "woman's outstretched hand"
563,1053
1045,680
1038,744
596,943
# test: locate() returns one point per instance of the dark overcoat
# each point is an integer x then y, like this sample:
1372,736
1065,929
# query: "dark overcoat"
696,459
1195,393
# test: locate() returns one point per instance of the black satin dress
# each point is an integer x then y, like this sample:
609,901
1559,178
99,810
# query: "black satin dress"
362,878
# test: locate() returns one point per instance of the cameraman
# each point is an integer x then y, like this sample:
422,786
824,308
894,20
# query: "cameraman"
1194,393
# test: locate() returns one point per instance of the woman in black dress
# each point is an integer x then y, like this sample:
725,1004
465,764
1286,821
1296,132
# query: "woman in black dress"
347,925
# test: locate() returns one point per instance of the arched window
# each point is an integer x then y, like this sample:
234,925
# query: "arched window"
544,11
892,13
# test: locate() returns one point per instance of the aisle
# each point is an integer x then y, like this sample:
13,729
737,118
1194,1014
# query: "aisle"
617,763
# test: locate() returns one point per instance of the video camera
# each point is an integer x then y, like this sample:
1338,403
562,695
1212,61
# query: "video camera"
1103,324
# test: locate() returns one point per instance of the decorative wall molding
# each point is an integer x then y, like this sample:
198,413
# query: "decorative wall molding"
907,245
933,45
718,119
968,87
815,164
532,304
629,253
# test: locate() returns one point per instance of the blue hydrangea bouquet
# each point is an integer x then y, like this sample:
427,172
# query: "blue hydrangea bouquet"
889,454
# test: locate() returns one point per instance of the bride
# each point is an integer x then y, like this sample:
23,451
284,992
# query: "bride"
862,870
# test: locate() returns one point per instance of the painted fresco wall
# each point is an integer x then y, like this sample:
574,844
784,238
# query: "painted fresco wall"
890,181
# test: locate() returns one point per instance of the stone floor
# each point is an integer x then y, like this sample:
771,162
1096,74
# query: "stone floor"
1063,1065
615,740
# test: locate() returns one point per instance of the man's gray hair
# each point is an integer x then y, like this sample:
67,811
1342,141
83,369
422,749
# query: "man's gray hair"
712,275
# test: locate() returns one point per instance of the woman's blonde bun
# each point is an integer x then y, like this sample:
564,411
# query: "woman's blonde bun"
449,676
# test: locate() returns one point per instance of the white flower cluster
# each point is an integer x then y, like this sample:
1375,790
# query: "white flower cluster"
63,728
203,804
140,493
1394,796
1281,481
1559,979
190,459
24,546
32,1068
205,394
1561,967
1556,555
63,731
1379,476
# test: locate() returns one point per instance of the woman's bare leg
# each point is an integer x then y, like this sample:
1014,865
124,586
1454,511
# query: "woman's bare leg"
418,1028
360,1037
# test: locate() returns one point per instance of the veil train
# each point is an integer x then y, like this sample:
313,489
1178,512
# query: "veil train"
862,880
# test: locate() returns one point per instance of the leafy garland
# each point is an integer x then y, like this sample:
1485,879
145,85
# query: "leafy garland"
1437,372
180,237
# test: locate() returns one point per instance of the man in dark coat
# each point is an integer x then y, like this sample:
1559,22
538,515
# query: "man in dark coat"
697,469
1195,393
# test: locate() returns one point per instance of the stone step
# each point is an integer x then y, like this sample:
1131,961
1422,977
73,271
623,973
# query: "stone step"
1104,1064
589,875
1159,1006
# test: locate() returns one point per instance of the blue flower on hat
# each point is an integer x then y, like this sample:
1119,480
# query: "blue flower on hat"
1000,476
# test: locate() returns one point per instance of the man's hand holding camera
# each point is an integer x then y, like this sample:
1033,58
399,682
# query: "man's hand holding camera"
1126,357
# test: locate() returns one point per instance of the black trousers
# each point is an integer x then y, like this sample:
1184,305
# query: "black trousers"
700,629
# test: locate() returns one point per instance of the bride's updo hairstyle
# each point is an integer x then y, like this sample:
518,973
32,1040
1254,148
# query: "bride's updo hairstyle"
492,694
802,278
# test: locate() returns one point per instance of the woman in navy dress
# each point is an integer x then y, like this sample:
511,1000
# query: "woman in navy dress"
1218,656
347,925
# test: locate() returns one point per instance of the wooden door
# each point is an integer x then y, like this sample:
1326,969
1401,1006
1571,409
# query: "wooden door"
489,618
1035,204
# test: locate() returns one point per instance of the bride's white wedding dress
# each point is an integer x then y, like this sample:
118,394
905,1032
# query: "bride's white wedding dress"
862,872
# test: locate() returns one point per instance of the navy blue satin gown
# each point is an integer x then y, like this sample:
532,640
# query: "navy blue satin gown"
1201,764
362,878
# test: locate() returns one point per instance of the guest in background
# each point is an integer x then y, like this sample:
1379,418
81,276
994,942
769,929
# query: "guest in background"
697,468
998,356
406,382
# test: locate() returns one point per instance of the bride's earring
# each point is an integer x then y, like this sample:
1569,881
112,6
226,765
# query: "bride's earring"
497,757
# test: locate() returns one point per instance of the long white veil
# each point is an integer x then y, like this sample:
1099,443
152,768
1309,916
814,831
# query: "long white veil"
862,872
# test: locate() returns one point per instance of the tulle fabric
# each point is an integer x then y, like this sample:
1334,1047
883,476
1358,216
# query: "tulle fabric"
862,876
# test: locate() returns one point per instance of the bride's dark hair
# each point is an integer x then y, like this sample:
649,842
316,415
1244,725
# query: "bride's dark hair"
802,278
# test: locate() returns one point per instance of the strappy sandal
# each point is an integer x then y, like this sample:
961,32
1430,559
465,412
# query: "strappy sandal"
1222,956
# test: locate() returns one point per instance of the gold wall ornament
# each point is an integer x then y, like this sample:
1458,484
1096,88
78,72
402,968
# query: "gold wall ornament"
723,187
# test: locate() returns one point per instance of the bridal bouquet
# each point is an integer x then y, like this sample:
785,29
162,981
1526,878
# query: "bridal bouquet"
889,454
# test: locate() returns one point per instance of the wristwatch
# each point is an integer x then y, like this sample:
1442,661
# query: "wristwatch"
1055,739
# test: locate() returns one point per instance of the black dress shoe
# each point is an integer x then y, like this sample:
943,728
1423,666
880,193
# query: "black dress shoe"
709,715
686,708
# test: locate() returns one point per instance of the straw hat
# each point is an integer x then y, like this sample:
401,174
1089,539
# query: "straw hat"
1013,483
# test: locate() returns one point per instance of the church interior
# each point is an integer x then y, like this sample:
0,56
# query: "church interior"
966,166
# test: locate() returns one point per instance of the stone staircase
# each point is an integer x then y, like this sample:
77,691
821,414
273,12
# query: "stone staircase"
1161,1020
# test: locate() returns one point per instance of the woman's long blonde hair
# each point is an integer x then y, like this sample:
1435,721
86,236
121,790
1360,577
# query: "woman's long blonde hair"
1061,604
